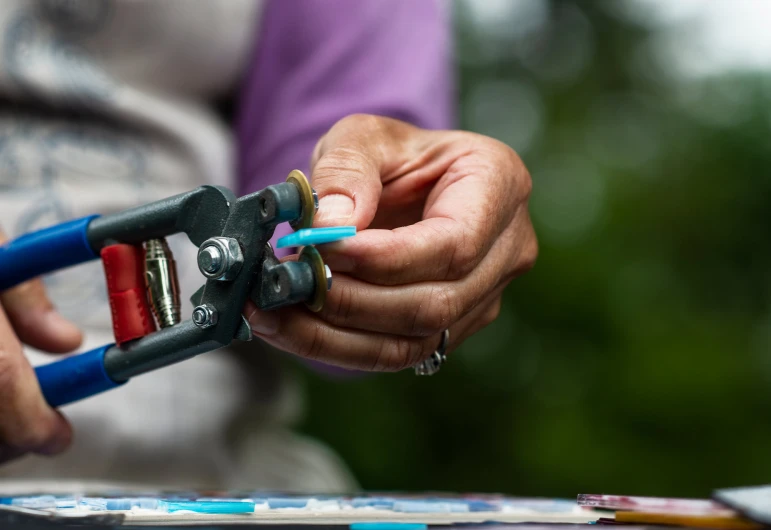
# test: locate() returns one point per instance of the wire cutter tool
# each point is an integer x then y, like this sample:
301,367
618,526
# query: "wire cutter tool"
234,255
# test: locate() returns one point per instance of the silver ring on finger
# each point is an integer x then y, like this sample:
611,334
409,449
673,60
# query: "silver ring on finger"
431,365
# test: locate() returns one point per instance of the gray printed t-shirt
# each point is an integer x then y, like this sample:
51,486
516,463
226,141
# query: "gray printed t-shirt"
107,107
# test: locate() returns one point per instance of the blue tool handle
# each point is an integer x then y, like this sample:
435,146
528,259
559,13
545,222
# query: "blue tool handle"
75,378
45,251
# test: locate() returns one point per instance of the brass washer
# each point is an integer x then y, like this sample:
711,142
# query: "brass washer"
312,256
306,198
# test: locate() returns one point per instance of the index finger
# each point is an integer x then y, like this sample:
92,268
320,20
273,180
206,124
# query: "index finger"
34,318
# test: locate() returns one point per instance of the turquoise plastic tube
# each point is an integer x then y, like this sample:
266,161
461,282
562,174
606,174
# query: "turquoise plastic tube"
207,506
316,236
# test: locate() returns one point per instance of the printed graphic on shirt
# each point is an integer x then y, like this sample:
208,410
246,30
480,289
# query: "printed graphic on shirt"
43,57
77,16
47,169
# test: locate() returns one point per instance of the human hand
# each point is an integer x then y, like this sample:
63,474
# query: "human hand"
27,423
443,227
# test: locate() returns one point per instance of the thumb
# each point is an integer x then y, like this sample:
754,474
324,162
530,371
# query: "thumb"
346,172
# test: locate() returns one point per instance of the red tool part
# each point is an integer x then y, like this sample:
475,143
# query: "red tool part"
124,269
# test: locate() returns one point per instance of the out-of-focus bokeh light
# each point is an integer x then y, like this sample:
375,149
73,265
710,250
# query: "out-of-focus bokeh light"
705,37
485,113
569,200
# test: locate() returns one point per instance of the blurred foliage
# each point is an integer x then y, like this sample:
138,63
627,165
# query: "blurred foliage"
635,357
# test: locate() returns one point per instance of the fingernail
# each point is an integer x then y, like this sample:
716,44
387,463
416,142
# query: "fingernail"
263,322
339,262
336,207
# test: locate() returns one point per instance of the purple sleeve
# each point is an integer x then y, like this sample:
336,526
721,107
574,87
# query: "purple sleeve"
318,61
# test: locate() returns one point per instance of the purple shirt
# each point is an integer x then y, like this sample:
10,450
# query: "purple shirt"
319,61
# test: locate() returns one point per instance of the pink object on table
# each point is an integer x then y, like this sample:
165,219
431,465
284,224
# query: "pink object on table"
653,504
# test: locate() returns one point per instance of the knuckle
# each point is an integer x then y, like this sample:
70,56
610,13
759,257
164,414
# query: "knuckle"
359,122
525,183
341,169
464,261
492,314
33,436
518,177
312,346
337,309
528,256
439,310
466,254
525,259
10,367
395,354
513,169
338,160
390,255
349,131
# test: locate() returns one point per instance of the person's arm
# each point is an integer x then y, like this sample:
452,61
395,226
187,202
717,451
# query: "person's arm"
316,62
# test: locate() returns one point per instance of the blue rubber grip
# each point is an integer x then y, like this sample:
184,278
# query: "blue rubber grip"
45,251
75,378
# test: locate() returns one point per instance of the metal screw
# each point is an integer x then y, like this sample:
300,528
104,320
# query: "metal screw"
210,259
220,258
205,316
328,274
315,199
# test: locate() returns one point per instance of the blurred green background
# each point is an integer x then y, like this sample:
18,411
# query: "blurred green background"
634,358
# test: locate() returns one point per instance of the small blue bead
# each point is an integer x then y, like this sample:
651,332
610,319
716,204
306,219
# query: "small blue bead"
287,502
482,506
373,502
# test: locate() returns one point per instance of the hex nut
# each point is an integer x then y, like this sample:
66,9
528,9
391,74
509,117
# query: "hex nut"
205,316
220,258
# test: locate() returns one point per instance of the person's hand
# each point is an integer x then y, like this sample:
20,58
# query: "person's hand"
443,227
27,423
